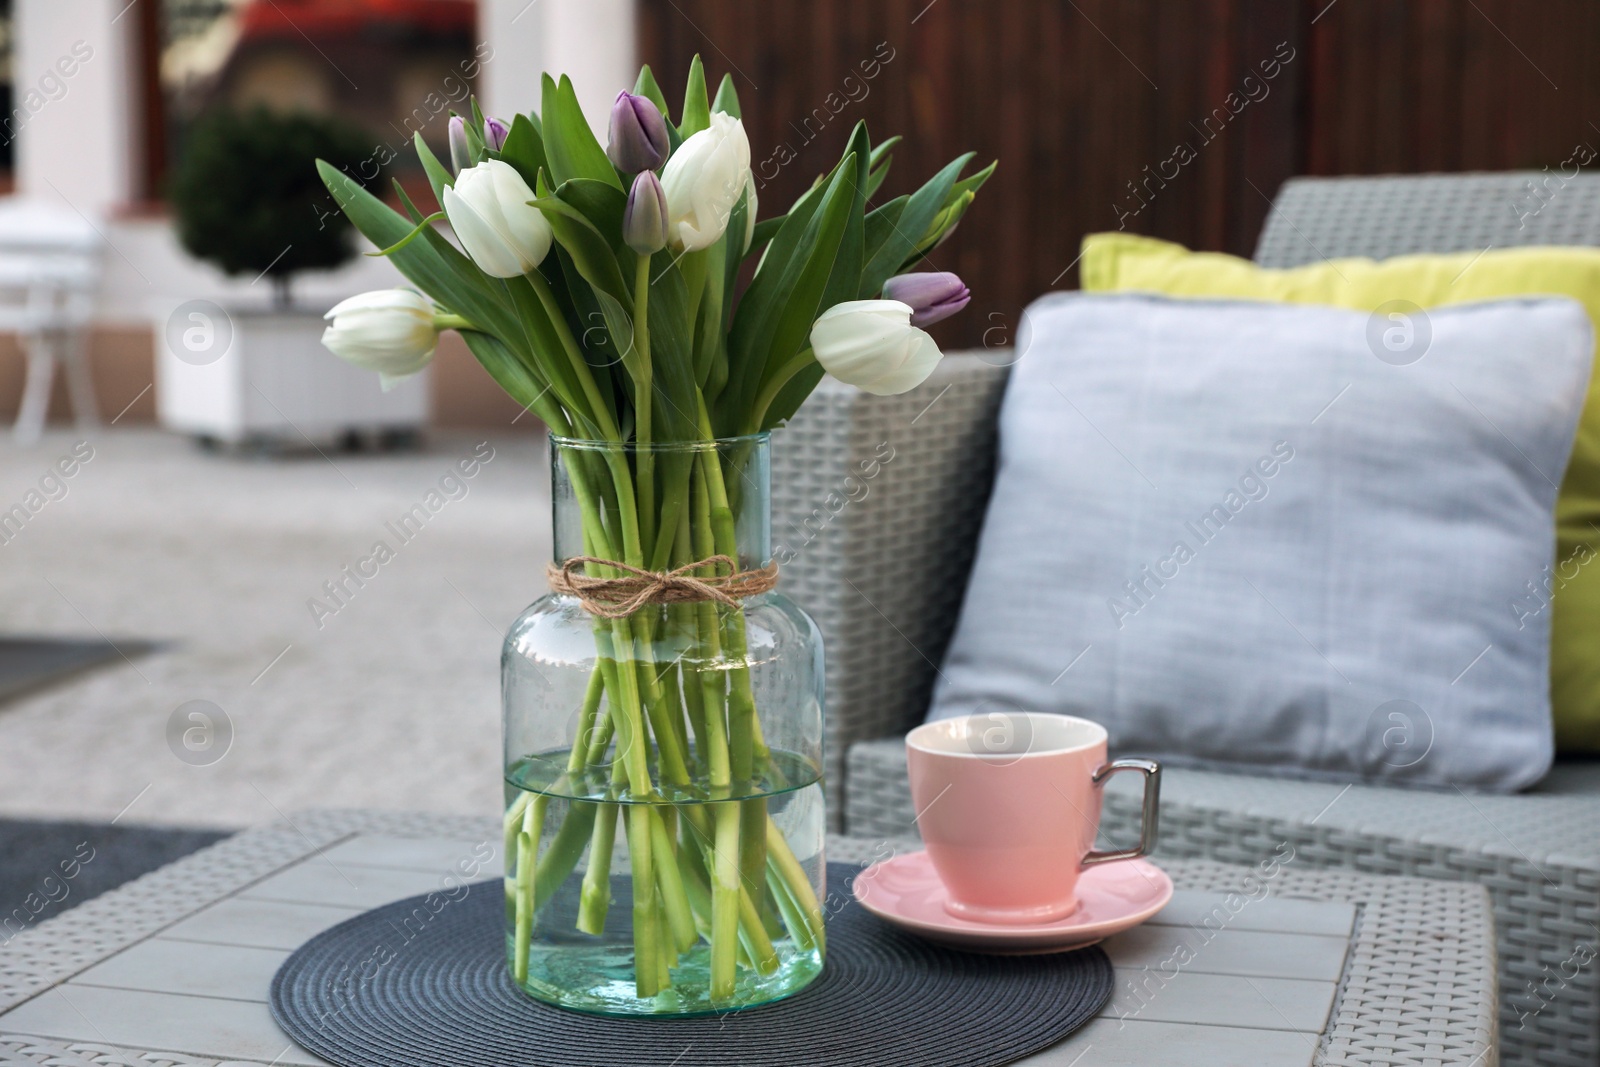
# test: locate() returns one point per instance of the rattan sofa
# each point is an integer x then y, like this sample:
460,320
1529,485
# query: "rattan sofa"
878,502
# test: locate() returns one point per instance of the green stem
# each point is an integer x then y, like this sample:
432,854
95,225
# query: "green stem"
580,367
643,399
724,902
594,896
794,878
774,386
513,825
577,760
527,849
646,945
675,901
566,848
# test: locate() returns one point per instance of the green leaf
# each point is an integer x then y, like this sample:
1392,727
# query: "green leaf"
433,264
591,253
600,203
696,111
570,146
732,244
920,211
882,149
876,176
543,338
472,126
408,238
791,396
766,229
845,278
405,201
598,339
711,328
646,87
439,175
942,225
524,149
843,282
511,374
618,344
780,235
671,353
972,184
797,273
880,224
727,100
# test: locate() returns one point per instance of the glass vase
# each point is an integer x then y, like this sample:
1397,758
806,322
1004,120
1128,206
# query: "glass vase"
664,813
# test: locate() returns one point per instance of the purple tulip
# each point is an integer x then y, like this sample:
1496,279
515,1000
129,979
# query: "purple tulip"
644,220
460,154
933,296
495,132
638,139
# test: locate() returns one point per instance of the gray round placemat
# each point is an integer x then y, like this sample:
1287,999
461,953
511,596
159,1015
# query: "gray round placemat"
373,992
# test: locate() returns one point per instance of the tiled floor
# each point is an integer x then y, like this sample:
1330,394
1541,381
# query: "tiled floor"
391,702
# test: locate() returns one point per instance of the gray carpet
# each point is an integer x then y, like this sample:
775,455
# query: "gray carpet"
30,663
48,867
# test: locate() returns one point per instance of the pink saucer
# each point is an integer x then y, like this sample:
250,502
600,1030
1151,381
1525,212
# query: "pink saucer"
1112,897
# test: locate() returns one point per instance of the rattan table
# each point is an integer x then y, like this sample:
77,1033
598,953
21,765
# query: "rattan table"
1257,967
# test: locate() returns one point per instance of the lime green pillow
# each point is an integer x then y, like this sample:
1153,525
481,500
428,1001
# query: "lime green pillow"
1569,593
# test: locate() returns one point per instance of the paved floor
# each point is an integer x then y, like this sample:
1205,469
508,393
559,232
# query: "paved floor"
387,700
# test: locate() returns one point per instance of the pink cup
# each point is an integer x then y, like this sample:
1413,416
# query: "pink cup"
1008,804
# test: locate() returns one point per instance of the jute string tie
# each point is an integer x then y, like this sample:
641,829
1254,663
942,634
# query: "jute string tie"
616,598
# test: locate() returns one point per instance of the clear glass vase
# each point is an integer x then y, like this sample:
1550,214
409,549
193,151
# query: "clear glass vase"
664,813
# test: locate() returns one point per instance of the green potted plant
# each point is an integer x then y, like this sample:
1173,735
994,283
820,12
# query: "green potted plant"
245,198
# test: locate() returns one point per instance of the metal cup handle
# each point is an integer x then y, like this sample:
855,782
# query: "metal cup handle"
1148,821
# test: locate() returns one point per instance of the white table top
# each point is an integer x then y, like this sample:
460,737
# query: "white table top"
174,968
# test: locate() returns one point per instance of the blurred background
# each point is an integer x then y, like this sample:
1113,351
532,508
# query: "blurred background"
213,580
1178,120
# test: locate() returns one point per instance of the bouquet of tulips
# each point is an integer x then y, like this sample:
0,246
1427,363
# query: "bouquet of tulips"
600,285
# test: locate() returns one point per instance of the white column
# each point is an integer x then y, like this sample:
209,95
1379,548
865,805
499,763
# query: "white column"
74,98
591,41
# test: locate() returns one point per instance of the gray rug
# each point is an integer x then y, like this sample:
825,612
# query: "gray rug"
30,663
442,997
48,867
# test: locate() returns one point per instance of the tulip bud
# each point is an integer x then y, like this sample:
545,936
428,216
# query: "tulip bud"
495,132
704,179
644,220
460,153
933,296
638,139
872,345
391,331
489,210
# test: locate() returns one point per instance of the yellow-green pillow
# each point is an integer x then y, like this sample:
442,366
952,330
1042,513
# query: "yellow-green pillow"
1119,261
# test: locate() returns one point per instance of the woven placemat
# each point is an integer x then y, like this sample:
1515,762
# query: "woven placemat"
362,995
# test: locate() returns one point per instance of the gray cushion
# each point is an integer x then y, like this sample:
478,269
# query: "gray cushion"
1237,537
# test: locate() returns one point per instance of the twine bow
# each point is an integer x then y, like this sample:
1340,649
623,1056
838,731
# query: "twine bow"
617,598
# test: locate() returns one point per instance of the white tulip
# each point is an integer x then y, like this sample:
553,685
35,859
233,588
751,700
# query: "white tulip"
391,331
489,210
872,345
703,180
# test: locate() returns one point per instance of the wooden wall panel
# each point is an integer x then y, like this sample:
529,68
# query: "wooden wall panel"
1150,115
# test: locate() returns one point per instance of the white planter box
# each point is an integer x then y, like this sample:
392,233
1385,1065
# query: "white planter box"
271,381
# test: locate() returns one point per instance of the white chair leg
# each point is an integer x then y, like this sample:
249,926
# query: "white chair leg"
80,378
36,391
